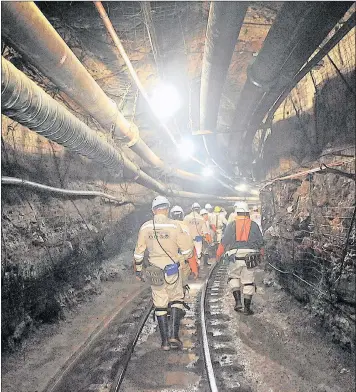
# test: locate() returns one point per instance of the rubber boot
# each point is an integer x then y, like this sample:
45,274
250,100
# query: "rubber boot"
176,316
247,305
163,329
206,258
238,303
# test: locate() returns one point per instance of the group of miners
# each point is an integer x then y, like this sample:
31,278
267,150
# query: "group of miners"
176,245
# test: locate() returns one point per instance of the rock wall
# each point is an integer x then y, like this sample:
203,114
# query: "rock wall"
52,247
309,220
307,232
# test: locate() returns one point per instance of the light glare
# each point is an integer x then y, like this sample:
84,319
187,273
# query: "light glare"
207,172
241,187
165,101
186,148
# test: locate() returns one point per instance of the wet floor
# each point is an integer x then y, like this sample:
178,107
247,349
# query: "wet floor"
152,369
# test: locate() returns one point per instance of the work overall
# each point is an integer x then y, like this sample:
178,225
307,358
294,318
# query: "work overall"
242,261
164,239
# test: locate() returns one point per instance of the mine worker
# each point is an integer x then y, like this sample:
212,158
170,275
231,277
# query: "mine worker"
197,228
190,265
256,217
232,216
211,216
163,238
207,240
243,240
220,223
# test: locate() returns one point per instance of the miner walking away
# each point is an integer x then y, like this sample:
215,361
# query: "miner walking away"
242,242
164,238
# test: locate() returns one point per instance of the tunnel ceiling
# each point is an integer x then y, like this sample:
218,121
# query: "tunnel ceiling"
176,56
180,29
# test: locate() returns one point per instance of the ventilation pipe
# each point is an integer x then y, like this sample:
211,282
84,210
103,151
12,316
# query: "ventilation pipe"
108,25
334,40
29,31
25,102
325,19
224,24
298,30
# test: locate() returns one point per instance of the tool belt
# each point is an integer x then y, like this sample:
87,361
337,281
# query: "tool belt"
253,260
155,276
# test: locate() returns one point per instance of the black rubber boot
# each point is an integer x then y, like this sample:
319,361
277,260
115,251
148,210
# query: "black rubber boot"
206,258
238,303
247,305
176,315
163,329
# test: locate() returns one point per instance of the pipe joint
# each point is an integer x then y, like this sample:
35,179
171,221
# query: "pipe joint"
263,85
135,135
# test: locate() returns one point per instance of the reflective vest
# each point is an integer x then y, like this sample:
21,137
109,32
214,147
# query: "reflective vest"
243,227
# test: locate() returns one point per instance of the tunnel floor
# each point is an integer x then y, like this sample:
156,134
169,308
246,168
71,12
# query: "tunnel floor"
281,348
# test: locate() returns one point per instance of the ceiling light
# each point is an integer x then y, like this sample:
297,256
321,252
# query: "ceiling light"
241,187
165,101
186,148
207,171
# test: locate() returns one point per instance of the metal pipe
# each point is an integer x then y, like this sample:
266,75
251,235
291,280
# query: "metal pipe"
333,41
224,24
223,28
135,78
291,41
325,19
30,33
26,103
59,191
278,44
108,25
151,31
316,26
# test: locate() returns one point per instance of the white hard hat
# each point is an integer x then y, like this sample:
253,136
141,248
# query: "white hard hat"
208,206
203,211
195,206
177,210
241,206
160,203
255,208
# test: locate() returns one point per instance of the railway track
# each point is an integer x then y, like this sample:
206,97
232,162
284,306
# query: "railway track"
127,357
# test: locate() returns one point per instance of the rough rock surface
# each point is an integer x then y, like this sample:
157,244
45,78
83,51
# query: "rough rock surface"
308,234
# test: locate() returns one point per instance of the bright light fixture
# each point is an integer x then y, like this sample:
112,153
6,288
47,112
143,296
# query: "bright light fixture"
165,101
241,187
186,148
207,171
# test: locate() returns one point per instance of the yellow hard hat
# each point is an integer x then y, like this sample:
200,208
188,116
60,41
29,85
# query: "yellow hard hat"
217,209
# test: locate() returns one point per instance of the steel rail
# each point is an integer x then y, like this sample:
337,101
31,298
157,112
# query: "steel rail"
122,370
68,365
206,351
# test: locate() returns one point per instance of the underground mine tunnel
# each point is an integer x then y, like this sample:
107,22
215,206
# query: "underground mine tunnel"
120,119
